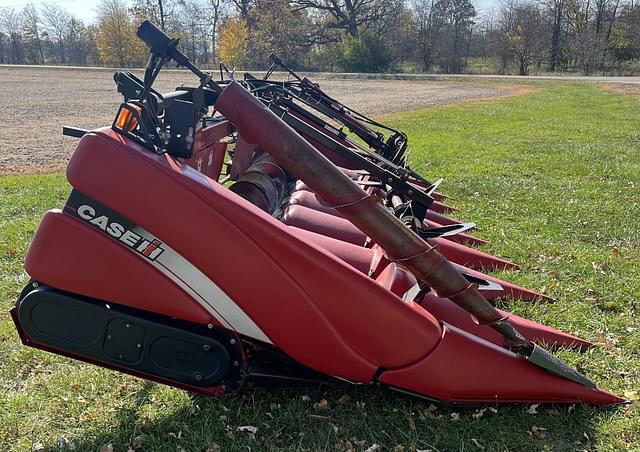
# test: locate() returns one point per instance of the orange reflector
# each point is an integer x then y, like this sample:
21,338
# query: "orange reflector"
126,120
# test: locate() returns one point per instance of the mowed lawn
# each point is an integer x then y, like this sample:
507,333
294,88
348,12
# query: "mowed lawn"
553,181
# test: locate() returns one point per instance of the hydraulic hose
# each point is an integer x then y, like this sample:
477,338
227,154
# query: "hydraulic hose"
260,126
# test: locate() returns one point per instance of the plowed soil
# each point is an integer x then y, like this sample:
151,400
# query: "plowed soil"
36,103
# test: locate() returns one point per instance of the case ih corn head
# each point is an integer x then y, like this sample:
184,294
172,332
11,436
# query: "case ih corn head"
260,233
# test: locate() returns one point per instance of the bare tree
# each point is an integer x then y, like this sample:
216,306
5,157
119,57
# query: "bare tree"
74,41
556,11
522,28
243,7
32,31
192,18
3,46
215,10
11,23
612,20
351,16
160,12
423,14
56,22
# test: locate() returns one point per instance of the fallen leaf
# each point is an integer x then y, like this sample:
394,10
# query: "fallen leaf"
455,416
477,444
146,423
479,413
136,444
373,448
533,409
274,406
214,447
39,446
631,395
321,405
346,445
428,412
538,432
306,398
493,410
11,251
64,443
571,408
398,448
344,398
250,430
107,448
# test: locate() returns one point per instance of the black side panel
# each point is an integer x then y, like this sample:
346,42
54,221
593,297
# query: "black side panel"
127,337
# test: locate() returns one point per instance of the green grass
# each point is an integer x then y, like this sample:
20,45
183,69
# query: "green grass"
553,181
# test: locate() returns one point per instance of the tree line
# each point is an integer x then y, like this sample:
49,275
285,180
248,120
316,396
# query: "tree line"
448,36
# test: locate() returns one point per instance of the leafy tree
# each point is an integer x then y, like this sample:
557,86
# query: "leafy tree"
452,22
234,42
116,40
366,53
402,35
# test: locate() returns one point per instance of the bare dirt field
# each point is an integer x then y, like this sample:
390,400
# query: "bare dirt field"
626,89
36,103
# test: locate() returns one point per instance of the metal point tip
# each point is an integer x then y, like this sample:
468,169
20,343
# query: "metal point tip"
542,358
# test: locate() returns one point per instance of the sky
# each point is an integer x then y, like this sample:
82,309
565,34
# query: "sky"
82,9
85,10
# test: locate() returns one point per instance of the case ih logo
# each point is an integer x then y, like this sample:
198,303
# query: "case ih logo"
150,249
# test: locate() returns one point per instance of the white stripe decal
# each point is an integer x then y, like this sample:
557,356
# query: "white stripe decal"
206,292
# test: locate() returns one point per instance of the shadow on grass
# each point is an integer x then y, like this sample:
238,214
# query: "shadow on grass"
368,415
